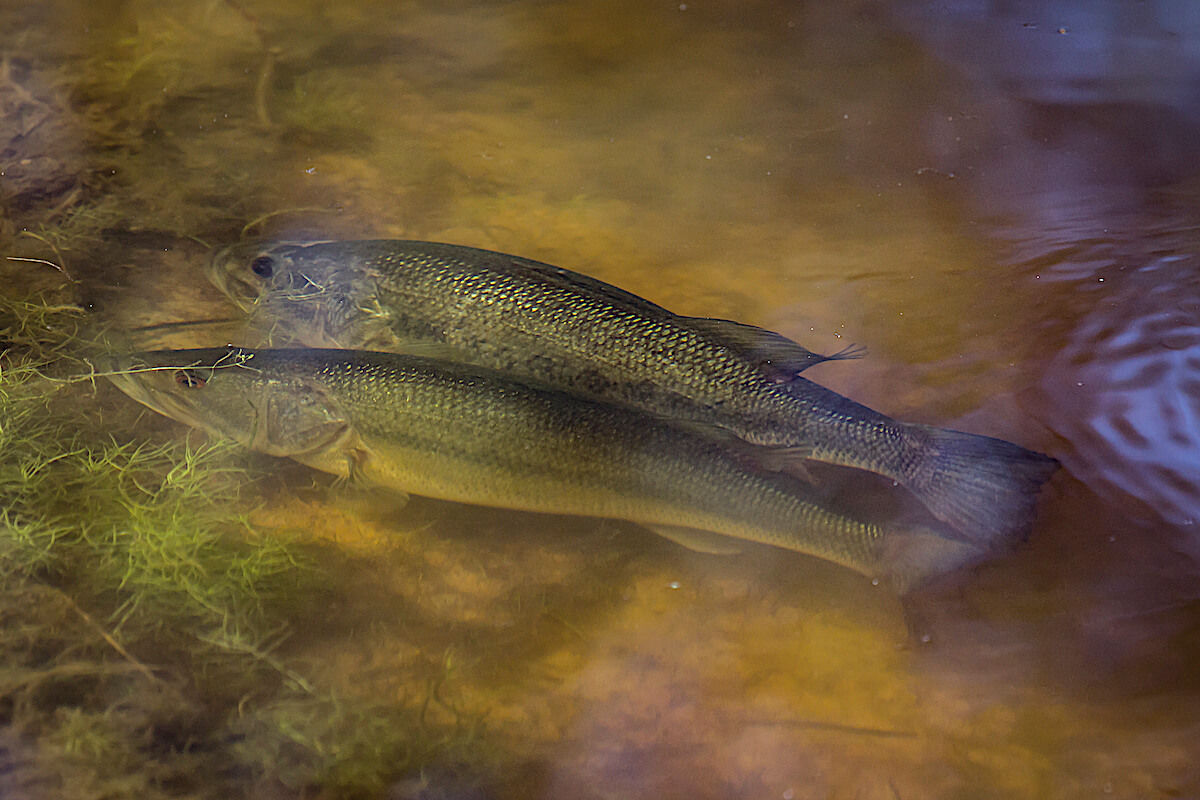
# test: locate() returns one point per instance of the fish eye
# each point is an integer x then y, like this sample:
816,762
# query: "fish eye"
189,379
263,266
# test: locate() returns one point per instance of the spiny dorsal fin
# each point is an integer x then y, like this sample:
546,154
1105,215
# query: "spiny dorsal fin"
777,356
575,282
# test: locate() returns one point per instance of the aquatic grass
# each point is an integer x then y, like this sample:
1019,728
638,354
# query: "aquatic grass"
39,328
176,50
326,106
76,228
149,525
338,747
147,630
331,746
164,99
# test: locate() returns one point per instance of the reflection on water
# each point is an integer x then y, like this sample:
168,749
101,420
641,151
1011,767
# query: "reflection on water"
1125,388
998,201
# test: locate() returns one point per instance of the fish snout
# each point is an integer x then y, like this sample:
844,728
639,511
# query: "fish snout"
126,372
109,364
217,268
229,271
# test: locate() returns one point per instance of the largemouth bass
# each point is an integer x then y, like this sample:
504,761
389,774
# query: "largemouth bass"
458,432
567,330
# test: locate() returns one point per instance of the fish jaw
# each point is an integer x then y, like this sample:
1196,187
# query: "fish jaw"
221,391
146,382
228,270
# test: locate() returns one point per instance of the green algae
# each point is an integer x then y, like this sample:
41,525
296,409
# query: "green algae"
147,638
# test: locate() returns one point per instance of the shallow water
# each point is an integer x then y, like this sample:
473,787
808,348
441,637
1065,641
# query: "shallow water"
999,202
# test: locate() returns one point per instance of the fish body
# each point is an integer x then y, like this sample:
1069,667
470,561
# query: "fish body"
564,329
462,433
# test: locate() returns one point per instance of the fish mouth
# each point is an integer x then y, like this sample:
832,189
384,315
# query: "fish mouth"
132,374
121,371
127,374
110,363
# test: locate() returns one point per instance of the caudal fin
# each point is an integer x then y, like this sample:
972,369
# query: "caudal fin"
985,488
912,557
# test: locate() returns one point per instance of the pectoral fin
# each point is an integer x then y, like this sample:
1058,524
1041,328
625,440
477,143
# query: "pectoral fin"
698,540
357,477
366,499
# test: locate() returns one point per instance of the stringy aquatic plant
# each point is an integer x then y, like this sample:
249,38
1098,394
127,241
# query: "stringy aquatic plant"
144,622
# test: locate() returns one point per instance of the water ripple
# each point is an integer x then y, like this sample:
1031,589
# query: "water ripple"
1124,391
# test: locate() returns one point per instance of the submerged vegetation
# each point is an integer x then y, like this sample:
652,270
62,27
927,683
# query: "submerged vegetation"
146,625
153,641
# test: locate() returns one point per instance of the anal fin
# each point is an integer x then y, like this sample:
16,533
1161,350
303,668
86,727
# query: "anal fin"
770,458
698,540
792,460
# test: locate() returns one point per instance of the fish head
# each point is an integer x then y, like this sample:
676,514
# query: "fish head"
225,392
247,272
308,292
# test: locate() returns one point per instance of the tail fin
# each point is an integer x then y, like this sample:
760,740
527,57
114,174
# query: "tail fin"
985,488
912,557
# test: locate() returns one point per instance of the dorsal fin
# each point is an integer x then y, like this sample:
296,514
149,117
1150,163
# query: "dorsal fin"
583,284
778,357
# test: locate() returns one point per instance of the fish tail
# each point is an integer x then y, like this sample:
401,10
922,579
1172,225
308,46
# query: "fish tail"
985,488
911,557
